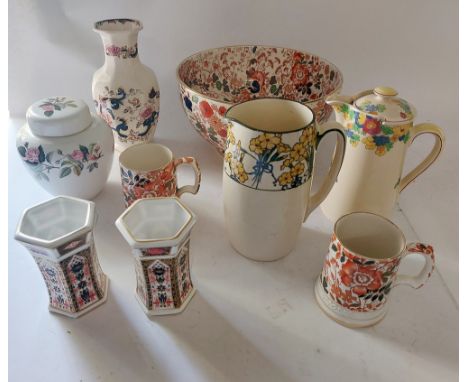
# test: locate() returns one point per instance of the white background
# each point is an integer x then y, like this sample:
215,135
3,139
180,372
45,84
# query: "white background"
409,45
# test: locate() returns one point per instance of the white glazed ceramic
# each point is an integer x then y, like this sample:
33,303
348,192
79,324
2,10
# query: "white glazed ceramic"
361,269
59,235
150,170
158,231
379,129
66,149
268,169
212,81
125,92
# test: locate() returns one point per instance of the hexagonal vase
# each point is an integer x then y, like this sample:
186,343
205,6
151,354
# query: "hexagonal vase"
59,235
158,231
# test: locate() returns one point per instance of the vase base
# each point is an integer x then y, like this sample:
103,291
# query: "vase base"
166,312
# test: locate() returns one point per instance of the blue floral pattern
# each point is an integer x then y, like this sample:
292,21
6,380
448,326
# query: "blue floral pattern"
131,113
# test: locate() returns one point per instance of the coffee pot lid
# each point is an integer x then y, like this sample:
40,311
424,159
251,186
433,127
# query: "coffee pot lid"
383,103
58,116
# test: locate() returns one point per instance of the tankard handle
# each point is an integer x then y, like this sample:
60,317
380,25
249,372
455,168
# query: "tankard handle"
193,189
423,128
427,270
335,166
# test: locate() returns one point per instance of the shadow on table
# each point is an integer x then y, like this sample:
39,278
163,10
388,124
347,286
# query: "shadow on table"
105,344
218,350
422,323
223,350
247,347
236,341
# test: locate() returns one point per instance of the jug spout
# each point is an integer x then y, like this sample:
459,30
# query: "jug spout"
270,115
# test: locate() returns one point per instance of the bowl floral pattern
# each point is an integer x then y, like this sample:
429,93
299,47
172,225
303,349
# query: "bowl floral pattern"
213,80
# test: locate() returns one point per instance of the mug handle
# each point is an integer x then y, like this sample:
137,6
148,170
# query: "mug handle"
420,279
423,128
335,166
193,189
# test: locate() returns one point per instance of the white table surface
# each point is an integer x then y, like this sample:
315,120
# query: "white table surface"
248,321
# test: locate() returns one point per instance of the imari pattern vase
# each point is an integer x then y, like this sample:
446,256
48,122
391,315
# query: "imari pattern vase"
158,231
59,235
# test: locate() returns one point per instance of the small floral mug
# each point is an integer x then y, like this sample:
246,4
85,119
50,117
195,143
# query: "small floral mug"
148,170
361,268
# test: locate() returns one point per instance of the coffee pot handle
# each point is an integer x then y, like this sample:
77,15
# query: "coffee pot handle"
193,189
420,279
335,166
423,128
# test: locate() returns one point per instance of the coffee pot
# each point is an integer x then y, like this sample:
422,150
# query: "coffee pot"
379,130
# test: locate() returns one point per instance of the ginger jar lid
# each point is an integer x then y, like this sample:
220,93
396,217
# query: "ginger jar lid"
383,103
58,116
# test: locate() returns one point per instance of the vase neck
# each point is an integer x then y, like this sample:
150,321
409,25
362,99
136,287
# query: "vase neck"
120,48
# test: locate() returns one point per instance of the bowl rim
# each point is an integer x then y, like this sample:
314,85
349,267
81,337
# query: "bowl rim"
183,83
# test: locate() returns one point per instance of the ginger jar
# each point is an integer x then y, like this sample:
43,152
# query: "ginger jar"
65,148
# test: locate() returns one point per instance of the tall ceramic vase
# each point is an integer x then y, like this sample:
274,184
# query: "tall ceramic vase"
125,92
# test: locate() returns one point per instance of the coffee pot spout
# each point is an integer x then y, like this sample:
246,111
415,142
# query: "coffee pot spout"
337,100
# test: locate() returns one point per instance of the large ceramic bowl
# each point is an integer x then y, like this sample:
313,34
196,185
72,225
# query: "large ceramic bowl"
213,80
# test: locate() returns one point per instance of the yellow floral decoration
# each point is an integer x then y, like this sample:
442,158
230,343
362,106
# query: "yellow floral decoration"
369,143
240,173
285,178
263,142
230,135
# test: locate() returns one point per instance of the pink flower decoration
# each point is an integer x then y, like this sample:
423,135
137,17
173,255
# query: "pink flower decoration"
146,113
32,155
47,107
77,155
156,251
113,50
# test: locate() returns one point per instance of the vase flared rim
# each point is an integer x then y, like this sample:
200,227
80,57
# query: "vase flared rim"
118,25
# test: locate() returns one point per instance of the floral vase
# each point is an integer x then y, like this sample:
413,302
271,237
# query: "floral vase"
125,92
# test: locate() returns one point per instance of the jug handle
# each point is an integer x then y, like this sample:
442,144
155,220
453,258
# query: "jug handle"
423,128
335,166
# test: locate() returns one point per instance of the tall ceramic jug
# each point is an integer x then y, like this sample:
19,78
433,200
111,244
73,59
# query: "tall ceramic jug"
268,169
125,92
379,129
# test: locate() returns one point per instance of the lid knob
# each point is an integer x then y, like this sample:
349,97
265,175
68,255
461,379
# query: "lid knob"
58,117
385,91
